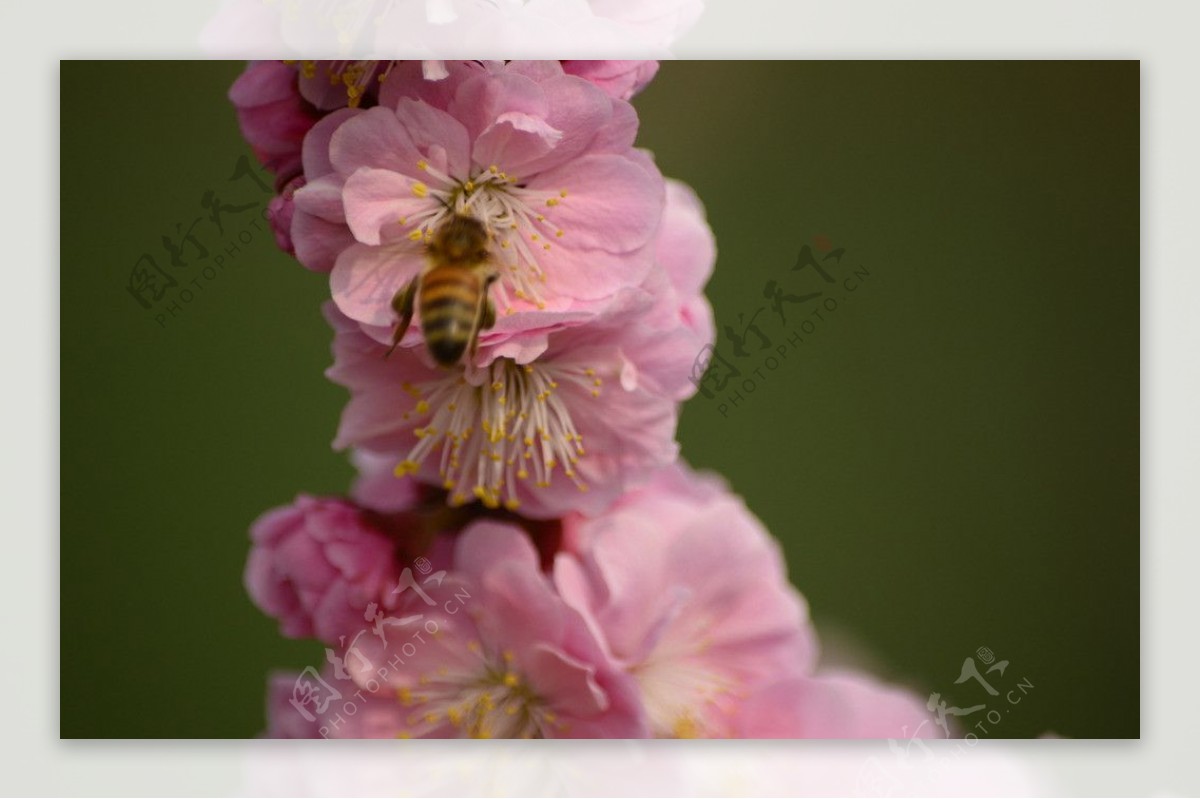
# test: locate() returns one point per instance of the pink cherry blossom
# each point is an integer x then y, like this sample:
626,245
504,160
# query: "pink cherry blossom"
317,564
567,430
621,79
280,212
690,596
686,252
273,116
489,650
542,158
284,719
835,705
321,704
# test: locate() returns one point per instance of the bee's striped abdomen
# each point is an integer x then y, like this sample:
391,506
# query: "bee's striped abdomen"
449,307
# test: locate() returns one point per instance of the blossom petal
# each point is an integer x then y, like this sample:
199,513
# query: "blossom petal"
612,203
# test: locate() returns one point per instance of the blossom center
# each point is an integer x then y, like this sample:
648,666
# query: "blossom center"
355,76
491,701
515,217
513,427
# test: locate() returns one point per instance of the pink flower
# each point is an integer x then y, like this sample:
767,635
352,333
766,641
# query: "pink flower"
317,564
273,116
542,158
330,85
836,705
621,79
490,651
280,211
566,430
686,252
284,720
313,704
689,594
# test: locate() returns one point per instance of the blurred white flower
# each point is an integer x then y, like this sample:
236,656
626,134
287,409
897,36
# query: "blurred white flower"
335,29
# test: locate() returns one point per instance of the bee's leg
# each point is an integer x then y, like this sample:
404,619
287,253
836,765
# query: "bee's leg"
482,322
487,316
402,304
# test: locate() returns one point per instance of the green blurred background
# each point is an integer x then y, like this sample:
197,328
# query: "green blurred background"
950,458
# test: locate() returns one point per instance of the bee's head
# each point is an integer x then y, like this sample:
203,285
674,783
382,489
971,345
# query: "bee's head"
462,240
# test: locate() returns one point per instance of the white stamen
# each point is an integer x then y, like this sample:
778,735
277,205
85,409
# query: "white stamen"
512,427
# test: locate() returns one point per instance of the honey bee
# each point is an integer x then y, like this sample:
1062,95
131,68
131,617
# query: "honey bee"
451,293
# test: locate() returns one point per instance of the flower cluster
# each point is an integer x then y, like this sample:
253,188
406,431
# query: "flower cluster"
523,554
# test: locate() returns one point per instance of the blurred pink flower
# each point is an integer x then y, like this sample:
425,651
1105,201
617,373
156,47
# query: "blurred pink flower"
686,252
280,212
568,429
321,704
621,79
690,596
835,705
543,159
273,116
317,564
491,651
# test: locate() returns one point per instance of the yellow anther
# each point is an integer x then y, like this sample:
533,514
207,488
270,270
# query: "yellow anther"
420,189
404,695
422,164
553,201
685,727
422,406
406,467
494,169
512,504
416,235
